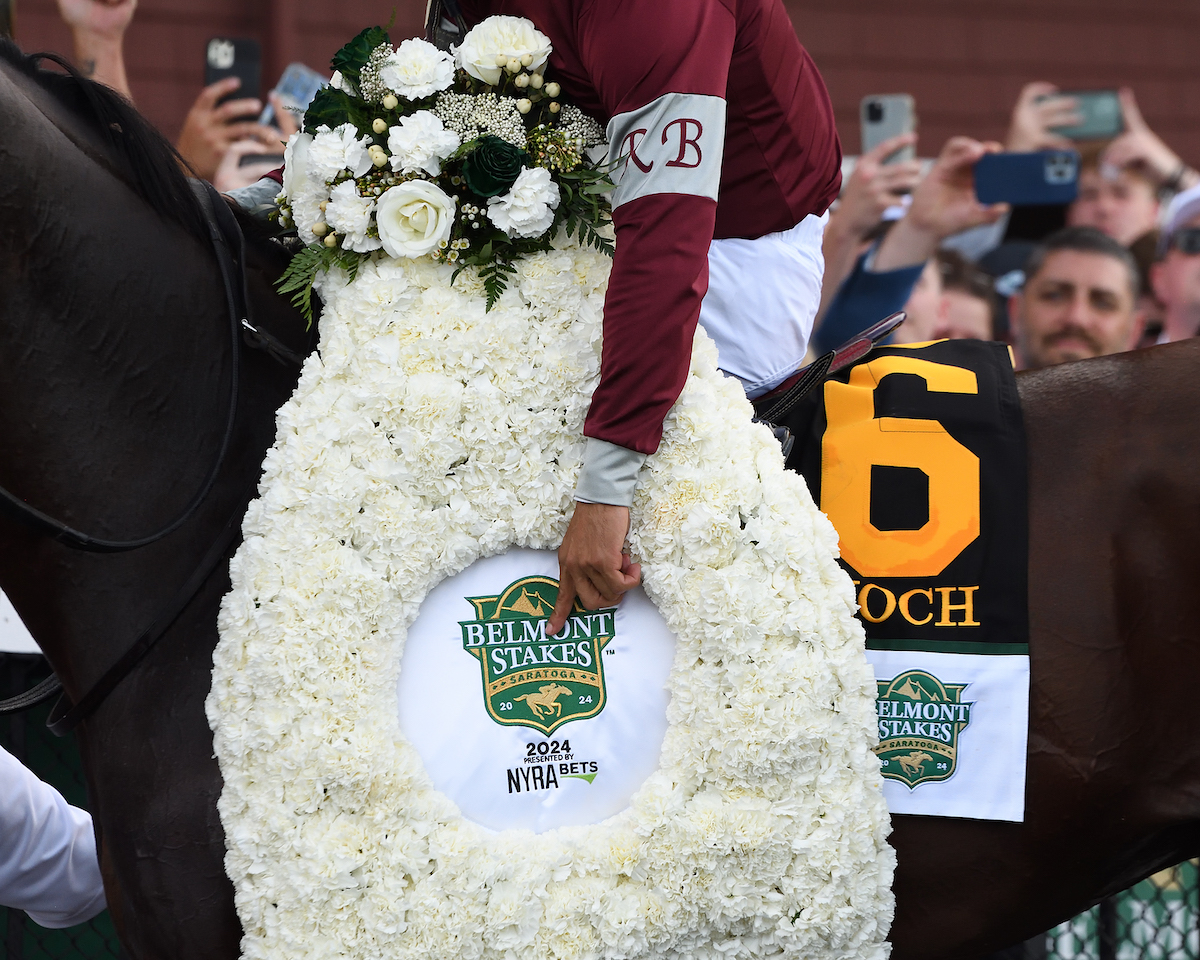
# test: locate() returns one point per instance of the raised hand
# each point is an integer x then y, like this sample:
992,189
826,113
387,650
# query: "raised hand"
103,18
943,204
1033,119
209,129
1142,149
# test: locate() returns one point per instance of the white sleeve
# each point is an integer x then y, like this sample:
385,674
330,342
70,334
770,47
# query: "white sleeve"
48,864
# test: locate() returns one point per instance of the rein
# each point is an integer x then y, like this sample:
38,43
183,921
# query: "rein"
229,248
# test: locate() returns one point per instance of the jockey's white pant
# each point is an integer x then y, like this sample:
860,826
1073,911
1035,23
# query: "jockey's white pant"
762,300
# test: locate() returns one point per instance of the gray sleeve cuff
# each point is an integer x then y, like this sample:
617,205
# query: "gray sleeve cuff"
255,195
609,473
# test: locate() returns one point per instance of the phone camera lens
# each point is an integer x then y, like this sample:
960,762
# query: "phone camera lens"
874,112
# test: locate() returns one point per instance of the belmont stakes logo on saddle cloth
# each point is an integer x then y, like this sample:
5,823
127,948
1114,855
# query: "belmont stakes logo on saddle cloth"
917,455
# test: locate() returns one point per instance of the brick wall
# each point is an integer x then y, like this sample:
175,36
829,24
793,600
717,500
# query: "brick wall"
963,60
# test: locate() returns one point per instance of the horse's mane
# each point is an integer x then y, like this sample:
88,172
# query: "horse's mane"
146,160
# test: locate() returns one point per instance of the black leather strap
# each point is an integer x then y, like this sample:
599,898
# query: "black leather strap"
66,716
813,374
32,697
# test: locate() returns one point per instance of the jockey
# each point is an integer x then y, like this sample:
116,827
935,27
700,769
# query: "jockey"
48,864
732,161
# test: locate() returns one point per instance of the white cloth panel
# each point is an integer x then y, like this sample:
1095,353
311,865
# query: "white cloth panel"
762,300
14,637
989,782
674,144
468,755
48,864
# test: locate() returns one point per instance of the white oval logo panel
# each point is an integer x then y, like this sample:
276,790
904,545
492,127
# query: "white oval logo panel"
524,730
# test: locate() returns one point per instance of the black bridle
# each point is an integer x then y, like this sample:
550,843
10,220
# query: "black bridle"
229,247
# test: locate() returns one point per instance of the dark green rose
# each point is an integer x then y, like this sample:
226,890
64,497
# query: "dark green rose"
493,166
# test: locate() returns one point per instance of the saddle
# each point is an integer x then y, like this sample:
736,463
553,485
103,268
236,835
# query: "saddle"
771,408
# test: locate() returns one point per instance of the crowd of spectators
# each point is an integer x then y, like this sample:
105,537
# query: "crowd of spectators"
1119,269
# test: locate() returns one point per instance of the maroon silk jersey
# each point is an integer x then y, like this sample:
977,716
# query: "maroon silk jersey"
729,132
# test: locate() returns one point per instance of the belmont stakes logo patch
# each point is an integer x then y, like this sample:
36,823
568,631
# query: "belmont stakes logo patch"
920,720
530,679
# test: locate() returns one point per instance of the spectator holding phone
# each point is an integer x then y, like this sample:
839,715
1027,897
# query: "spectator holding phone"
943,203
873,187
1176,276
211,127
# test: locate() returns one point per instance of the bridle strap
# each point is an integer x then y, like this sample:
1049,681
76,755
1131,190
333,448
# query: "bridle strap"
229,246
66,716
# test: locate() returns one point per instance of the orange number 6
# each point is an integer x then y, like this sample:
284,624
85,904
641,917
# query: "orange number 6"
855,440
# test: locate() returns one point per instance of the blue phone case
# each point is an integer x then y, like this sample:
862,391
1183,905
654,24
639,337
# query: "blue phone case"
1028,179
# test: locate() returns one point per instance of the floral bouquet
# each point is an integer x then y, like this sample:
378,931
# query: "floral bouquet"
472,158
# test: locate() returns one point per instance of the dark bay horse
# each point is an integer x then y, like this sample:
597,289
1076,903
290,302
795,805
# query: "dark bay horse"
112,402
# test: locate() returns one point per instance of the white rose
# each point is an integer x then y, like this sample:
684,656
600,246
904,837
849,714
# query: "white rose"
420,143
510,37
527,210
350,215
417,69
413,218
333,151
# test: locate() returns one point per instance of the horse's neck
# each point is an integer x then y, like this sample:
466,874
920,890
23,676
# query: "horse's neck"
116,358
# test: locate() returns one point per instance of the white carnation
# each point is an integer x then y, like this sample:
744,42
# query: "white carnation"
527,210
304,193
420,143
350,215
413,218
417,69
295,163
333,151
501,36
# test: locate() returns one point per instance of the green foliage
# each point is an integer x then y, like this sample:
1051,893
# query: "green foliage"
353,56
300,274
582,207
332,108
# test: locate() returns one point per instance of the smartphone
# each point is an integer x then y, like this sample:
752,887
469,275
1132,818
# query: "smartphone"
296,88
234,58
1100,111
1028,179
885,115
253,159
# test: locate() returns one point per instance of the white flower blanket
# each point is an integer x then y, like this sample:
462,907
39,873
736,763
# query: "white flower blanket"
428,434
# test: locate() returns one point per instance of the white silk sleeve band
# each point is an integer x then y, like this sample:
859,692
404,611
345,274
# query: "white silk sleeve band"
673,144
48,864
609,473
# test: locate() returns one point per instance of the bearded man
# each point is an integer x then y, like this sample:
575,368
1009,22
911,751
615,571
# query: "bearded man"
1079,300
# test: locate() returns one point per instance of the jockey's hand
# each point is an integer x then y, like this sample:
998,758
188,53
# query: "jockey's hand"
591,565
